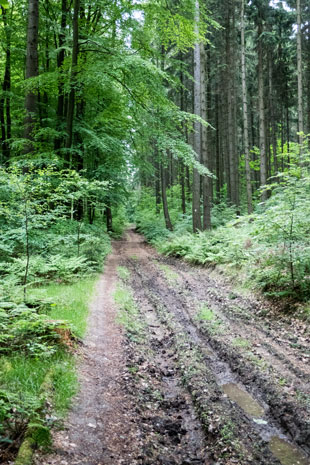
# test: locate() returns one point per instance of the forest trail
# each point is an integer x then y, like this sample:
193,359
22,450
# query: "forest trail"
210,380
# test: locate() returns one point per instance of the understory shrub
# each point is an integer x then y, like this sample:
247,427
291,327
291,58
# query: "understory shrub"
271,246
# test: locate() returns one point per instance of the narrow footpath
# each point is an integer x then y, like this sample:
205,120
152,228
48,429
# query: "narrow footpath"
204,375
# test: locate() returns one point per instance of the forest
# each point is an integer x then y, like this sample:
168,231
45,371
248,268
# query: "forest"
189,119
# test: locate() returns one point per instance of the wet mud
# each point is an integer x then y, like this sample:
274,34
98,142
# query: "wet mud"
213,379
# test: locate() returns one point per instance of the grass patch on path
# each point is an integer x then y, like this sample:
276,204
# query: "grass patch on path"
70,302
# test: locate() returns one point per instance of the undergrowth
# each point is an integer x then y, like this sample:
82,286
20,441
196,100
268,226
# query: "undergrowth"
36,340
269,249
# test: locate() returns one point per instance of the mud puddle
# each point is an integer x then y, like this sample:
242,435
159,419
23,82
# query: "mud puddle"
286,453
244,400
279,446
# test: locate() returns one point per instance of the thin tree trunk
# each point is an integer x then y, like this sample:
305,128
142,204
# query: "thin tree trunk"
219,176
60,60
183,191
5,107
108,212
71,101
272,118
31,71
157,182
181,164
230,77
204,142
299,73
197,135
262,132
245,115
308,82
164,197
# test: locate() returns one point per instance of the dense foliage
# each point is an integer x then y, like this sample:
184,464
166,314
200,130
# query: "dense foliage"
270,247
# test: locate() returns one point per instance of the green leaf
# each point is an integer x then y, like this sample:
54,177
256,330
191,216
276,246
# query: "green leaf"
4,3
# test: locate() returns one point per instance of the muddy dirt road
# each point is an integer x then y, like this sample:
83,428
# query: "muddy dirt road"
198,375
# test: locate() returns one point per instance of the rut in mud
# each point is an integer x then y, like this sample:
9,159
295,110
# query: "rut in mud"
202,375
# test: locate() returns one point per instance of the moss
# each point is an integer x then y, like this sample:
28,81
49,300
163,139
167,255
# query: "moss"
25,453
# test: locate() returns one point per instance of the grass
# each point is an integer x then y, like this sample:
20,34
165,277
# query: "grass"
170,275
128,313
24,376
123,273
215,325
21,376
205,314
240,342
70,302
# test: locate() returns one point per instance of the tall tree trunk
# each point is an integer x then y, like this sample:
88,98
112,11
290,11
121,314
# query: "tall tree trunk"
245,115
219,168
308,82
206,190
299,72
181,164
60,60
164,197
272,117
71,101
197,226
5,102
108,213
230,95
261,102
157,181
31,71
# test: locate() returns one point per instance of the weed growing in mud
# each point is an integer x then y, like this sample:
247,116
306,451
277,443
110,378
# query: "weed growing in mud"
227,432
282,381
210,321
303,398
128,314
123,273
170,275
205,314
242,343
259,362
133,369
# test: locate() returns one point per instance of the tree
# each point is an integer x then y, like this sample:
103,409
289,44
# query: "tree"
32,70
299,72
245,114
197,226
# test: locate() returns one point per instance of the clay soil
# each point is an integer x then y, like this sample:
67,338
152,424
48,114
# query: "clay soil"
205,375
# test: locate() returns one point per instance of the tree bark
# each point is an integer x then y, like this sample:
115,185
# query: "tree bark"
5,102
71,100
206,188
157,182
60,112
32,70
164,197
197,226
299,73
272,118
230,94
245,115
108,212
262,131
